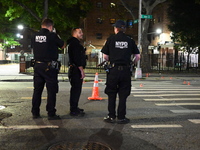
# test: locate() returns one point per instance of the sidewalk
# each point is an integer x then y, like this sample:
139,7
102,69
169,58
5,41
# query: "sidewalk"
10,72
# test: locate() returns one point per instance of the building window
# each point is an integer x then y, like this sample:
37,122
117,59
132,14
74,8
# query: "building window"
112,21
99,20
159,19
99,36
99,5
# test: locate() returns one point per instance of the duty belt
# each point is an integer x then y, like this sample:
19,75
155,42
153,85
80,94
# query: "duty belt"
119,64
39,62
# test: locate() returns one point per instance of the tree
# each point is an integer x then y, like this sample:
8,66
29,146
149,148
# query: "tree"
6,36
65,14
185,20
147,8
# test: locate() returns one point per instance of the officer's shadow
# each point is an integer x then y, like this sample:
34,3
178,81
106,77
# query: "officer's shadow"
49,128
110,135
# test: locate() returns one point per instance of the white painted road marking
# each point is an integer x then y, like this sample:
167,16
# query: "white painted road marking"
31,97
157,126
29,127
174,99
168,89
137,92
166,95
196,121
186,111
178,104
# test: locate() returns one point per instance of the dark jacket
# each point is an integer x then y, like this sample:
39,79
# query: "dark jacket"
76,53
45,45
120,47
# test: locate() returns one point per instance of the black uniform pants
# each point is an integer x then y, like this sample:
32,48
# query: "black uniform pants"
118,82
50,77
76,82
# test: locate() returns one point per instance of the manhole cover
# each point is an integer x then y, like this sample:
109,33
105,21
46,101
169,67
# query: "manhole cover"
79,146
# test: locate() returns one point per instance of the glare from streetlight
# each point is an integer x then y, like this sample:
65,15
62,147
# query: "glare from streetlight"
158,31
19,35
20,27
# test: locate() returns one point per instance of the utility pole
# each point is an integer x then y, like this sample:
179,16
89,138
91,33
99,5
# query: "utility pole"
138,71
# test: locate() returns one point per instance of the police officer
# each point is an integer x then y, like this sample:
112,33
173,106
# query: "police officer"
77,63
45,46
118,50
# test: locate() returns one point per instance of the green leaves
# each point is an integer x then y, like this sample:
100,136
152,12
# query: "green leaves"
65,14
185,20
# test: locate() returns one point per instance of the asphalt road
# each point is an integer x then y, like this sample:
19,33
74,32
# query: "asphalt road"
164,115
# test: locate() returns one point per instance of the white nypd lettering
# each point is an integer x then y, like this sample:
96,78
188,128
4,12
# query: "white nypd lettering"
40,39
121,45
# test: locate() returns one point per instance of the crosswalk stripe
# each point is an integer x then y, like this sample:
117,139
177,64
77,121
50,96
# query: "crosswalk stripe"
87,87
157,126
196,121
31,97
165,92
171,89
24,127
178,104
174,99
166,95
186,111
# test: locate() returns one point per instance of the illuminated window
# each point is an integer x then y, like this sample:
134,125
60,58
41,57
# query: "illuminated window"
112,21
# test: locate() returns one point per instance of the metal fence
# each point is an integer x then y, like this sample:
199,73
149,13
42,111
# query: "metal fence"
91,67
158,62
168,62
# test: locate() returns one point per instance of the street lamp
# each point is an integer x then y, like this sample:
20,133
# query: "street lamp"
158,31
20,27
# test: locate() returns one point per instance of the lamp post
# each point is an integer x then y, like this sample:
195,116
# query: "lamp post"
138,71
22,60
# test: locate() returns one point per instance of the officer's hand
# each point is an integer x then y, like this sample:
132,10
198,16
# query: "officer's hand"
137,58
82,74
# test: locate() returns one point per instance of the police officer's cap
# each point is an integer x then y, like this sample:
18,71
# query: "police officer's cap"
120,24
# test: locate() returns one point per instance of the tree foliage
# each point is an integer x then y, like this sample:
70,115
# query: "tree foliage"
65,13
185,20
6,28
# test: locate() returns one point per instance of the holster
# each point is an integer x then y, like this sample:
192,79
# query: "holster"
70,71
32,62
54,65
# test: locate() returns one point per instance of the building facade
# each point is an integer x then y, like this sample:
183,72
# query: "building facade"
98,27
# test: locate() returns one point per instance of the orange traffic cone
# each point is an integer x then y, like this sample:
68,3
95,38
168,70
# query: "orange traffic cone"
95,90
188,83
